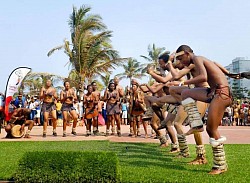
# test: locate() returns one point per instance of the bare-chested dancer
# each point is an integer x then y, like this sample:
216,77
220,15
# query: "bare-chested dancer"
218,95
91,113
68,96
48,95
112,98
181,115
97,95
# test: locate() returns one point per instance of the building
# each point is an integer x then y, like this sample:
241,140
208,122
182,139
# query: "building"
239,64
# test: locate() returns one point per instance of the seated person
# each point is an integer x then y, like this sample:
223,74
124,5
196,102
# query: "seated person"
19,117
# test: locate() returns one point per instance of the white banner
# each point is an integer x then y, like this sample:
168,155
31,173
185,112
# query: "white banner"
14,82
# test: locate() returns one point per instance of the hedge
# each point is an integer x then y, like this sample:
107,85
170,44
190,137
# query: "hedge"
68,166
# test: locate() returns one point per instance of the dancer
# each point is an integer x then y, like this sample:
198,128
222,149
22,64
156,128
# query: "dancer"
68,96
48,95
178,71
90,102
218,95
137,108
111,97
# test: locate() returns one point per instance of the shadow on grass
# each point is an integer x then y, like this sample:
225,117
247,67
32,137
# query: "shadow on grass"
144,155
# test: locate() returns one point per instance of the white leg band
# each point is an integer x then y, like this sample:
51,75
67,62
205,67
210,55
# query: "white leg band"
217,142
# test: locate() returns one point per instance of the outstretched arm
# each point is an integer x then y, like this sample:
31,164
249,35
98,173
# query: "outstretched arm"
226,72
144,88
159,78
155,88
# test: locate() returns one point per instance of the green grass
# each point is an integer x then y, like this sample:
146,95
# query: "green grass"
140,162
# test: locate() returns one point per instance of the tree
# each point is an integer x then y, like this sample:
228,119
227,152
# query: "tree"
153,55
90,52
132,69
105,79
237,91
35,80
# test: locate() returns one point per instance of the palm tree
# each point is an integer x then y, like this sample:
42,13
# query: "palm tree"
133,69
35,80
105,79
153,55
90,52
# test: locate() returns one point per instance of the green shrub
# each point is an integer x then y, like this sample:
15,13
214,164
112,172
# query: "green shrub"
68,166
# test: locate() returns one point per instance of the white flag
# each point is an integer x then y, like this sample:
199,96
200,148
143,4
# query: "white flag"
14,82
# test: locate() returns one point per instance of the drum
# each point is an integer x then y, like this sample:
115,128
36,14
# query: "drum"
91,113
15,131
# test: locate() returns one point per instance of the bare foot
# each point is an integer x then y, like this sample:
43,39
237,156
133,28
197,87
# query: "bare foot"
27,136
216,171
174,150
198,161
164,145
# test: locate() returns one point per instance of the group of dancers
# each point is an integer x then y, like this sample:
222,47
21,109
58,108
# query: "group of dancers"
191,85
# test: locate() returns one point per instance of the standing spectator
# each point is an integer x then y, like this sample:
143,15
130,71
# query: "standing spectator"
81,109
38,111
1,109
58,109
236,110
229,111
32,107
19,101
245,110
27,101
241,116
104,111
124,106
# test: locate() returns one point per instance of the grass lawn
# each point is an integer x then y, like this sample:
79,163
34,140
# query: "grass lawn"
140,162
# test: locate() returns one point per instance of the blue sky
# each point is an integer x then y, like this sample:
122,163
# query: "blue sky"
218,30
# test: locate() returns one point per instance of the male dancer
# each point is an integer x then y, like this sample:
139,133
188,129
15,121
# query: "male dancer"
68,96
150,114
218,95
181,115
48,95
160,109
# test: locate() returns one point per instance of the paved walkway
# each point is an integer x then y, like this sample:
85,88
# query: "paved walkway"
234,134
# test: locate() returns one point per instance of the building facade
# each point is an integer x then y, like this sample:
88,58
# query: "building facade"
239,64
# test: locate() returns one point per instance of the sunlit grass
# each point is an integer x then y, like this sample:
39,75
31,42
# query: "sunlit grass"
140,162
